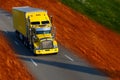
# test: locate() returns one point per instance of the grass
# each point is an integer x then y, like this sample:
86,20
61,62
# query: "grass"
106,12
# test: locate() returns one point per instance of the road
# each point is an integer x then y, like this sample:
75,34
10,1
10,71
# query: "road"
63,66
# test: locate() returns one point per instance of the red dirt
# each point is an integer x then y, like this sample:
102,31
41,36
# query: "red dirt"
10,67
75,31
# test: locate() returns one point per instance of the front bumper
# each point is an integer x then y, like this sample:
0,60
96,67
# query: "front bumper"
46,51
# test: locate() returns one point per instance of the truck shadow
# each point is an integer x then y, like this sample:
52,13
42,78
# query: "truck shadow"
73,67
16,44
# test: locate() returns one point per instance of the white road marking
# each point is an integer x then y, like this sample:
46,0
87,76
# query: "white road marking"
68,57
16,43
33,62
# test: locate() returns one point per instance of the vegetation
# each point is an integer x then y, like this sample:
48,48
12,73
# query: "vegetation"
106,12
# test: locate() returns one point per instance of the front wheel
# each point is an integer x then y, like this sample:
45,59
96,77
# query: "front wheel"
35,54
55,53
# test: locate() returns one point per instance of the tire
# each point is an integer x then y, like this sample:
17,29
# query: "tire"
55,53
16,34
25,42
35,54
21,37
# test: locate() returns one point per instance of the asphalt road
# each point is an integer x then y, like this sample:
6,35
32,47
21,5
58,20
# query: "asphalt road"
63,66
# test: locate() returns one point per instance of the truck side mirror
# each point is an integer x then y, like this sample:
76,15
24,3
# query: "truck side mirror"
53,32
35,38
51,18
53,35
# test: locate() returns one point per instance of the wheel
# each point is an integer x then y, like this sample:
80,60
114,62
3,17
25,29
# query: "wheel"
55,53
21,37
35,54
16,34
24,42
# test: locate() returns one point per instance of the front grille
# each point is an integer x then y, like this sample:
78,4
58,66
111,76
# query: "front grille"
48,44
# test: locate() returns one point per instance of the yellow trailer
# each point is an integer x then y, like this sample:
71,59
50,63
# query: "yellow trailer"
34,28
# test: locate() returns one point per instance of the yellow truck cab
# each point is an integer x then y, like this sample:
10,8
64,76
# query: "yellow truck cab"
34,28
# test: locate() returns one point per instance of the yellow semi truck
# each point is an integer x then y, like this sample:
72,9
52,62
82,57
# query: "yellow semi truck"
34,28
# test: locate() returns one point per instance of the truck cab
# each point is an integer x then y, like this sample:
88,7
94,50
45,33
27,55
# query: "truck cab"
44,40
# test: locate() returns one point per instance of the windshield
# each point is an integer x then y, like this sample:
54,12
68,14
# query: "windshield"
43,32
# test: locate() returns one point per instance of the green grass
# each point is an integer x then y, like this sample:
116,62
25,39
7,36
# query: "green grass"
106,12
